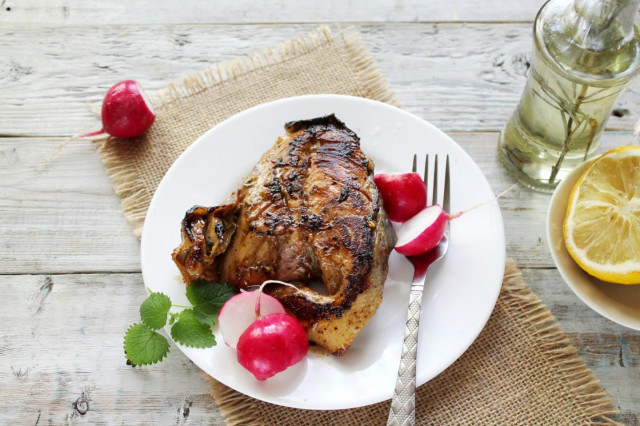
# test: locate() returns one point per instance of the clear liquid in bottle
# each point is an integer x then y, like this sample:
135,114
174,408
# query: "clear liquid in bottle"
571,90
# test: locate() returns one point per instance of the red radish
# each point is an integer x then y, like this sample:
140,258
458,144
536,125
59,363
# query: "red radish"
271,344
237,314
126,111
403,194
422,232
267,339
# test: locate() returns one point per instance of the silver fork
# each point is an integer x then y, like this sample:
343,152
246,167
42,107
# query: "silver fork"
403,404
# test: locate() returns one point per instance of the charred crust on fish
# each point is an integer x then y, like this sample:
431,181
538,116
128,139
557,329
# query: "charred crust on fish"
311,214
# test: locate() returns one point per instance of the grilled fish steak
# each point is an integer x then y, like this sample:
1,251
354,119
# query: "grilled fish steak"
308,213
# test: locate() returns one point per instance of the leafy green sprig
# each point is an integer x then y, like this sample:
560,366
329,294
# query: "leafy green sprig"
143,345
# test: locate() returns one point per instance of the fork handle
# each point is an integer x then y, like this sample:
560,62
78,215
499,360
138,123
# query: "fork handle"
403,404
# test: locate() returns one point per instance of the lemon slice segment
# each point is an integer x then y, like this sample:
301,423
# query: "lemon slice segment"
602,226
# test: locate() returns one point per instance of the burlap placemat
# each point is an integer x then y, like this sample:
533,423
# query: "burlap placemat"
521,370
316,63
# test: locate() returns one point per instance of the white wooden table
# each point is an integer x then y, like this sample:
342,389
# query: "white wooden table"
70,280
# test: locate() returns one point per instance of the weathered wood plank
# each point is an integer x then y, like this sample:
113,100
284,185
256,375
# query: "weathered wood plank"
605,349
83,12
62,334
461,77
62,341
61,344
65,217
61,217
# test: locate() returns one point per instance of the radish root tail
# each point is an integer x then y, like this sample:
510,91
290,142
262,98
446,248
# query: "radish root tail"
63,144
263,285
460,213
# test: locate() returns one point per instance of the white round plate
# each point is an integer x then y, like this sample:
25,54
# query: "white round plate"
617,302
458,298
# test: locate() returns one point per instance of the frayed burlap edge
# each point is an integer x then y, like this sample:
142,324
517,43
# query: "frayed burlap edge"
135,200
226,72
561,356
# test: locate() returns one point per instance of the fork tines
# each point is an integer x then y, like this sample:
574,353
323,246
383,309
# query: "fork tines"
434,184
447,188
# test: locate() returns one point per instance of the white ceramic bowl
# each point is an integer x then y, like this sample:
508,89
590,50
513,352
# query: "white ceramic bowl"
617,302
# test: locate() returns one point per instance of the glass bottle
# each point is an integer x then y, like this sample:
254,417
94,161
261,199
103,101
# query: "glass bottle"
585,53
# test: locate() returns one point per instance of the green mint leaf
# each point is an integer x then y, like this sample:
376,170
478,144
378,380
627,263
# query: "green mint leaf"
173,318
207,298
188,331
154,310
205,318
143,346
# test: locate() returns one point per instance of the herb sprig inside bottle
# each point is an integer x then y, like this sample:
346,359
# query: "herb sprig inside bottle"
585,54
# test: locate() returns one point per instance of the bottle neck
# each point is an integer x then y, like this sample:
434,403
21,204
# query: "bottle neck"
598,25
590,39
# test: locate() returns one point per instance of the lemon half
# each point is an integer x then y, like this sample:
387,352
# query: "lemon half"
602,226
